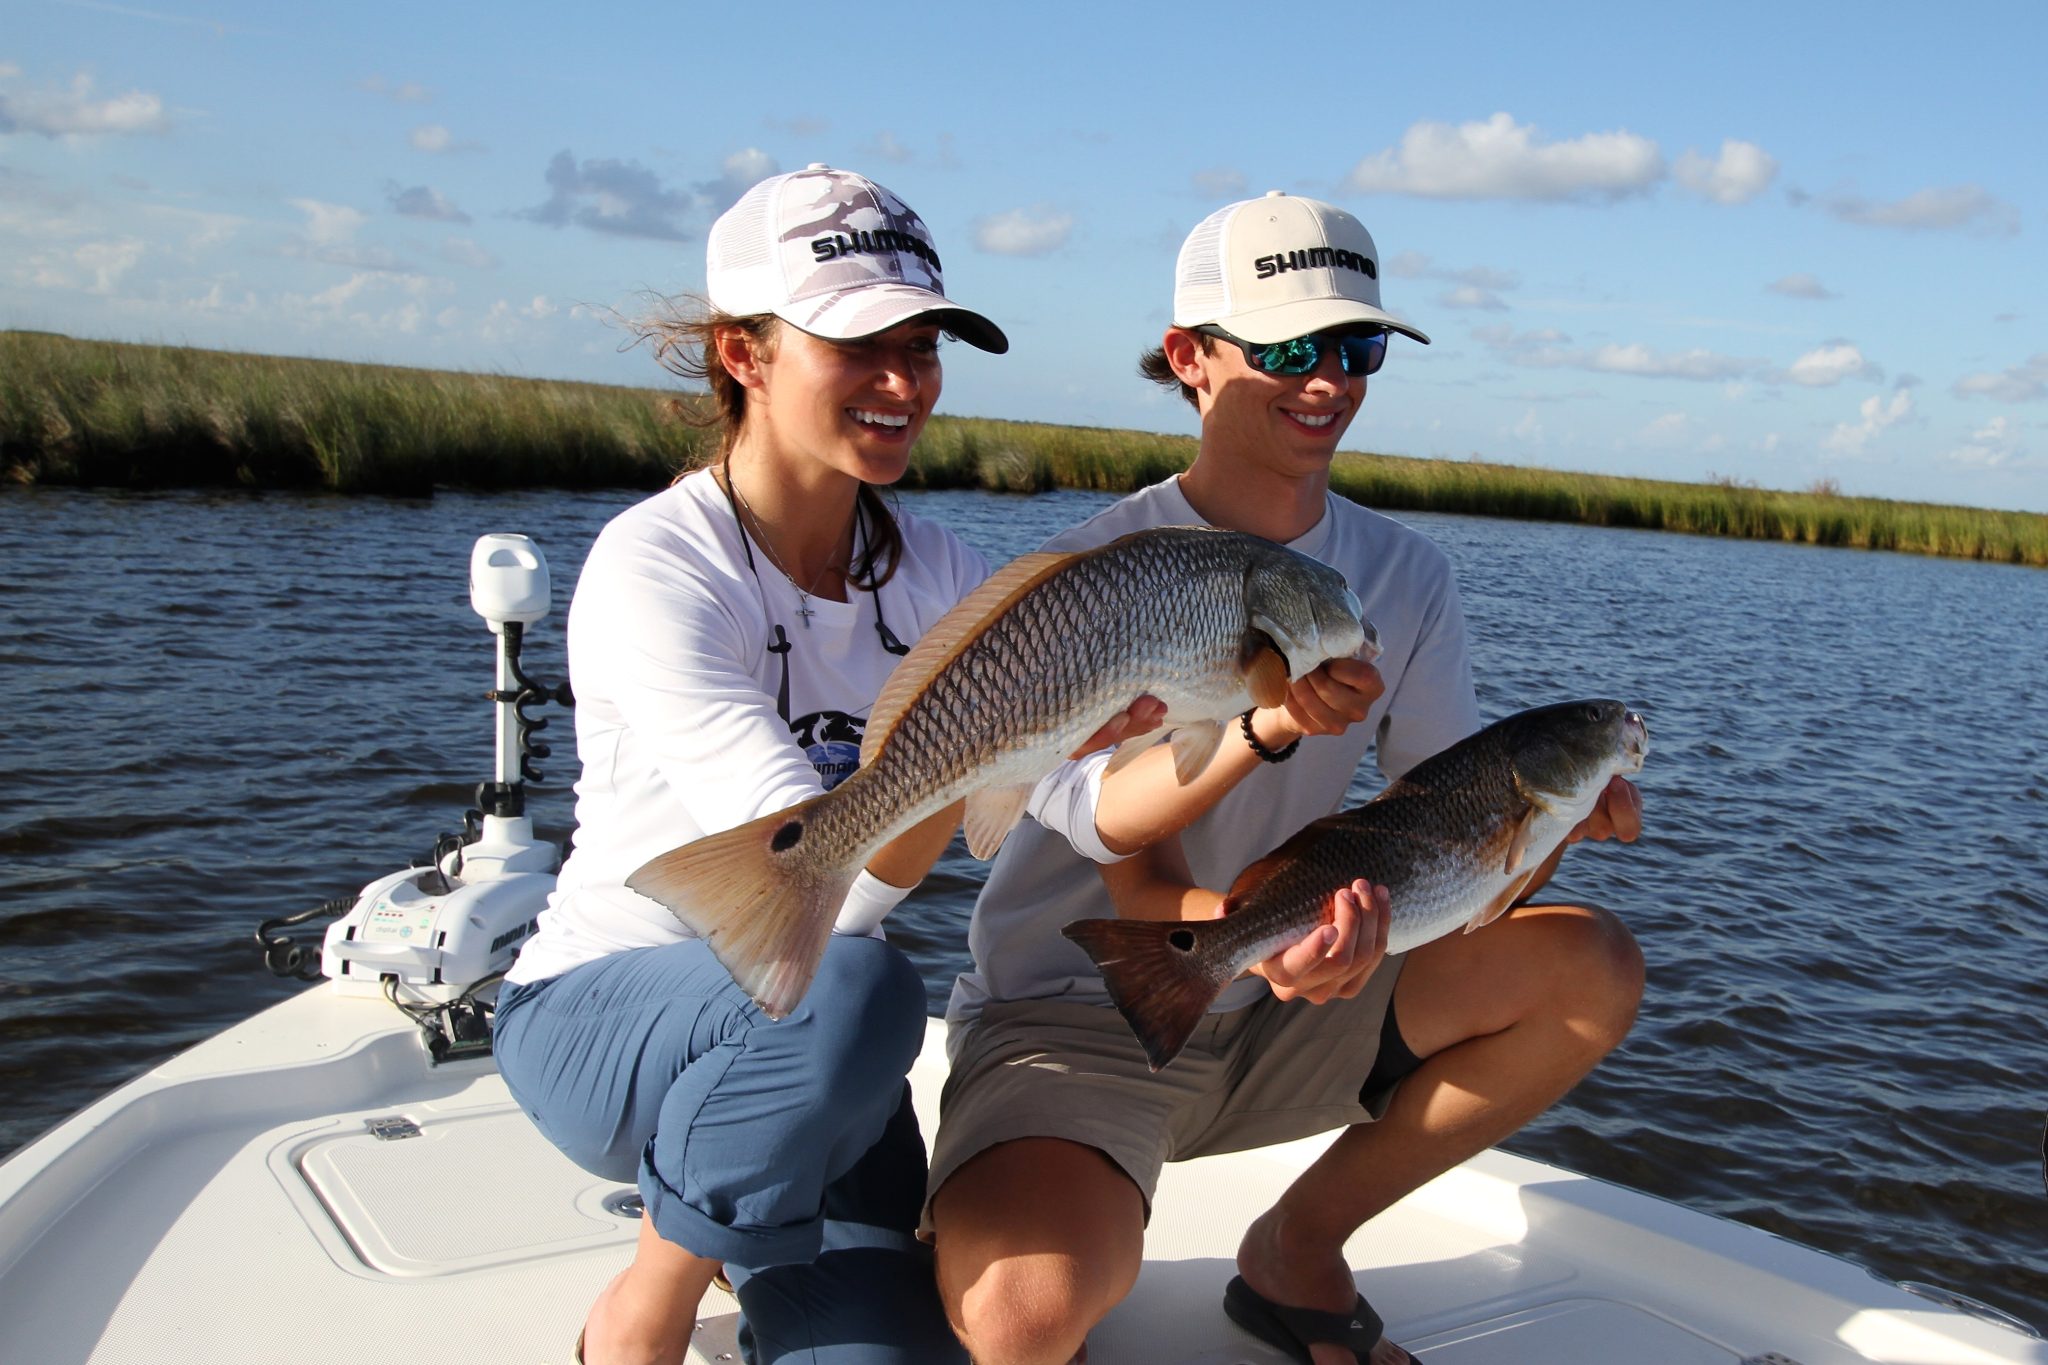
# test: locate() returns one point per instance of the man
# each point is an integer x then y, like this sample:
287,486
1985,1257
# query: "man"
1053,1130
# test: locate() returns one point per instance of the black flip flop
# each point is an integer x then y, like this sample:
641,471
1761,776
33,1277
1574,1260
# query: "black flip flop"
1293,1329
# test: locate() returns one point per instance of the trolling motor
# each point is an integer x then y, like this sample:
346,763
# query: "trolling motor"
431,938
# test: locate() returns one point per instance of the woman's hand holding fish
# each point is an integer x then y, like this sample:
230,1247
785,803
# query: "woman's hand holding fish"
1618,814
1332,961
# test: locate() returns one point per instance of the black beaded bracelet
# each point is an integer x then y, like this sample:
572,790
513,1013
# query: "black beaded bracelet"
1244,723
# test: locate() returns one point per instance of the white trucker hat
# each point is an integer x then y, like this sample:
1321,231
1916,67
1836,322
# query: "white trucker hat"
835,254
1275,268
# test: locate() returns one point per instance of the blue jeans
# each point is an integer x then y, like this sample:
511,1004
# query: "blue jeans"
787,1149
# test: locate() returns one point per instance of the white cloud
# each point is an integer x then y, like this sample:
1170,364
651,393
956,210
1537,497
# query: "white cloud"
1800,287
72,112
1828,365
1023,232
1220,183
1549,348
1995,445
1949,208
1877,413
463,251
1406,265
2022,383
619,197
108,262
1529,429
403,92
424,201
328,224
890,148
1697,363
435,138
1739,174
1472,296
738,173
1501,159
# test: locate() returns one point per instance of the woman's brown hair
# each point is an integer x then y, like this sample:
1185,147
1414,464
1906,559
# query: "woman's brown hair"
686,344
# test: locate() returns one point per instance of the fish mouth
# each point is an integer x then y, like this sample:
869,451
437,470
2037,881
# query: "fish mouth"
1635,738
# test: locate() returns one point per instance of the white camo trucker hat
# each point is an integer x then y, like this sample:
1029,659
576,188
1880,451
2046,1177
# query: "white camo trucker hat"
835,254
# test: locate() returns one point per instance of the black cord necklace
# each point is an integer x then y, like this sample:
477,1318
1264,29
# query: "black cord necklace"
780,645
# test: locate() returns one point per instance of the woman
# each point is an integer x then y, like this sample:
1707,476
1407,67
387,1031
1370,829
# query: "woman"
727,639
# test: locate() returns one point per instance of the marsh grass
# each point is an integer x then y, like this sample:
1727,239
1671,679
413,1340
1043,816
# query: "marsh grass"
92,413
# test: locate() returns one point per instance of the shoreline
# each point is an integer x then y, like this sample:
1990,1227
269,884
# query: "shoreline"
105,414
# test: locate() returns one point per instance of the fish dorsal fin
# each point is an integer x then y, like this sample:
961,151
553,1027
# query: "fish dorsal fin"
1265,669
948,636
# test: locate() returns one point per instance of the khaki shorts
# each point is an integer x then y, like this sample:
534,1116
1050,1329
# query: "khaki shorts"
1267,1073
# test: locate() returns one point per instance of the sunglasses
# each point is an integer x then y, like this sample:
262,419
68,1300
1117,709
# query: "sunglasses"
1358,352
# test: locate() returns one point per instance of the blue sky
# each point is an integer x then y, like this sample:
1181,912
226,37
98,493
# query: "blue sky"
1780,244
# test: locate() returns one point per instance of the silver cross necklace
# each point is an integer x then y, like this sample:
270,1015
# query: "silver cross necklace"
803,594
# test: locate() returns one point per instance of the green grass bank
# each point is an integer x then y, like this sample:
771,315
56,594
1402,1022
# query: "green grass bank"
113,414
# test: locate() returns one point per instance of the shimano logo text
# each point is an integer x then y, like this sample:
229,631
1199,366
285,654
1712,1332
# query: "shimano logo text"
1315,258
877,243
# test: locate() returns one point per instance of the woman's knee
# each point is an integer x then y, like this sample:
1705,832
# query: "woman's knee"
864,1016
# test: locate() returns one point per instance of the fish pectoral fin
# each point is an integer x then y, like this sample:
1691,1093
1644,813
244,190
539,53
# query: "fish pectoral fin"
1265,669
1193,746
1549,802
992,813
1518,843
1499,905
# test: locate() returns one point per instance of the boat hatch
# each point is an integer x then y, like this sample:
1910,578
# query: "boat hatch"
1560,1331
430,1204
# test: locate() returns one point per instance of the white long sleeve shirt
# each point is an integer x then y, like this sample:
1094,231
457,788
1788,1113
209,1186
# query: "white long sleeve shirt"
677,723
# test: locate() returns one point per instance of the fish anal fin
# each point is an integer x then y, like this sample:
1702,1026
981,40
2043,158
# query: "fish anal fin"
950,634
992,812
757,900
1193,746
1155,975
1265,670
1499,905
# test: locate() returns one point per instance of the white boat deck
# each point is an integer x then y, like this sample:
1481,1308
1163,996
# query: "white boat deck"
234,1206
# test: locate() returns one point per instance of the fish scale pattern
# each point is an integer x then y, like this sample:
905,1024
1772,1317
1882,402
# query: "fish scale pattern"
1166,614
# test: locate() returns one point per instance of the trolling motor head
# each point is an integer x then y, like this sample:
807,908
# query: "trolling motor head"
508,580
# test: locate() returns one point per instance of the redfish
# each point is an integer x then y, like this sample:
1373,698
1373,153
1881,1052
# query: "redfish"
1456,841
1002,689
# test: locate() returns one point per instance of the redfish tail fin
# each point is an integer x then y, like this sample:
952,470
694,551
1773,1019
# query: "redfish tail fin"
751,893
1155,976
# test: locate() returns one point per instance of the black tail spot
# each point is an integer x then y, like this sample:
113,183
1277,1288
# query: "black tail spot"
1182,939
786,837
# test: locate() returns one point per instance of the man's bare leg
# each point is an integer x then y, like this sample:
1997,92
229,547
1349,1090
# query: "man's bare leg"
1507,1020
1036,1240
646,1314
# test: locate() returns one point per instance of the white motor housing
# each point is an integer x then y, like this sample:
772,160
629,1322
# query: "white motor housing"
432,944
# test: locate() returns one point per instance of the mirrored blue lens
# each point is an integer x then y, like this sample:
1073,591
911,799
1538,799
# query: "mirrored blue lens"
1358,352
